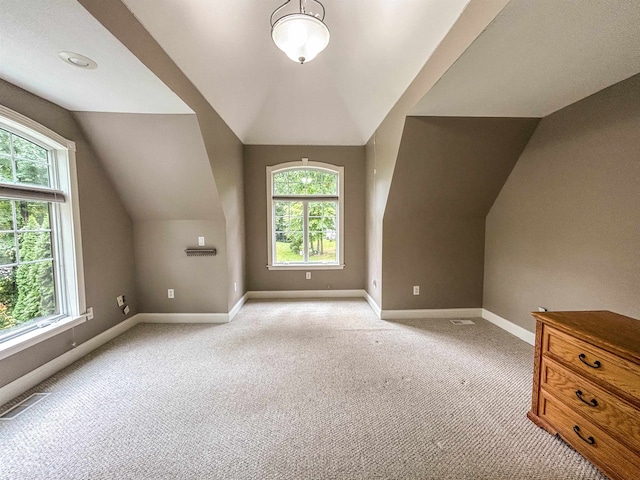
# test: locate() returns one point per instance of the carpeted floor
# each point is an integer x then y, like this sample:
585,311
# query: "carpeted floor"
292,390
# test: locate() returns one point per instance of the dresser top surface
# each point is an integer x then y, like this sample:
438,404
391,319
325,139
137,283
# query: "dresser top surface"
614,332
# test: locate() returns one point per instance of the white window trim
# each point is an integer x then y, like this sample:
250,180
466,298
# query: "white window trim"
270,214
72,266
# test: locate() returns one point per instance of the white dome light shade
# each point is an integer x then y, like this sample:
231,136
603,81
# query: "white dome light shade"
300,36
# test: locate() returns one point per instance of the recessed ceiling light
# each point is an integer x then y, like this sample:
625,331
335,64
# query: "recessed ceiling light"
78,60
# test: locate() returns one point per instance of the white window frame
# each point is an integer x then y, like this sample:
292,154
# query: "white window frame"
271,244
70,289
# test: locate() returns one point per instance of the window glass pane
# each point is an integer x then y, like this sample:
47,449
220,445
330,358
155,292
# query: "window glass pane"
322,232
7,248
34,173
289,232
27,276
6,215
34,246
5,145
8,298
27,292
6,173
281,188
25,149
32,215
305,181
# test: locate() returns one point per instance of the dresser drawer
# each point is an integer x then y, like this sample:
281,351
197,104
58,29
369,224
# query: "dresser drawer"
592,362
615,459
619,418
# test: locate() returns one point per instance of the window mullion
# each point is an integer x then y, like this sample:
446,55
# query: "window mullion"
305,228
15,231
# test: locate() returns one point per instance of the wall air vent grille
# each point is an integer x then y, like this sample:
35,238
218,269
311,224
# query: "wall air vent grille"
463,322
201,252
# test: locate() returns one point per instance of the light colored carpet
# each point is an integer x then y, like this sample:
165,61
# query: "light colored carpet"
292,390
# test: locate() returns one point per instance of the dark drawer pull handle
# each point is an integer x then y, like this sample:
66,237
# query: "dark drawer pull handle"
596,364
592,403
590,440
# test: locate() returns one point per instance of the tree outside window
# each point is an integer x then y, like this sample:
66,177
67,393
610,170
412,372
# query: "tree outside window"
27,278
305,226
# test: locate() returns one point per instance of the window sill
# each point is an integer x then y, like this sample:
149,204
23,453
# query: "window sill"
310,266
29,339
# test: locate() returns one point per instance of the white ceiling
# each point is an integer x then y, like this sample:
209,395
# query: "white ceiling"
535,58
377,47
32,32
538,57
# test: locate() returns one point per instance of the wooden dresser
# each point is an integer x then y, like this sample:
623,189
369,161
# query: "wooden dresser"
586,386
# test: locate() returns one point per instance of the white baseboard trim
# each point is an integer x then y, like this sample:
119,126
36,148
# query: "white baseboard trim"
307,294
431,313
372,303
34,377
236,308
512,328
183,318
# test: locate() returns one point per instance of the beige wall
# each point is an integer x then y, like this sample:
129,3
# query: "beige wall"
148,154
257,158
199,283
107,238
223,147
564,233
382,147
447,175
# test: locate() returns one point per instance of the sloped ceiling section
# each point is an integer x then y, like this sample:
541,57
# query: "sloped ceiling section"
33,32
225,49
538,57
158,164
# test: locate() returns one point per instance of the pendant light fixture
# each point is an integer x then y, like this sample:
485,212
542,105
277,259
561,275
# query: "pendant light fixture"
301,35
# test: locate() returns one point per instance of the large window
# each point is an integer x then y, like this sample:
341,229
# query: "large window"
305,210
40,262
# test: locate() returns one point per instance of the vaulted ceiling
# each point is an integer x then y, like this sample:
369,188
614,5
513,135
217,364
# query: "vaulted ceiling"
535,58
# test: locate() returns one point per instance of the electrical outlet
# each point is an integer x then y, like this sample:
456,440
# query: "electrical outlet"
416,289
542,309
90,313
201,241
126,310
120,300
308,275
170,293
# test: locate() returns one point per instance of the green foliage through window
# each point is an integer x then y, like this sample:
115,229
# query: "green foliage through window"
318,216
27,278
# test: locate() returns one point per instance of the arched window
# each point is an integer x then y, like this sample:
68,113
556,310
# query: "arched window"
305,215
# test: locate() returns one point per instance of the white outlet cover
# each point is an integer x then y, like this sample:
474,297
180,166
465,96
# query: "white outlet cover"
170,293
90,313
201,241
126,310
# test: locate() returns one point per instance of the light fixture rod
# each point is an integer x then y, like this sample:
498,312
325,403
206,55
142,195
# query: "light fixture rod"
302,9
